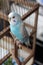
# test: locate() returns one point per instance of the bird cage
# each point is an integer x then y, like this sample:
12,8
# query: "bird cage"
29,15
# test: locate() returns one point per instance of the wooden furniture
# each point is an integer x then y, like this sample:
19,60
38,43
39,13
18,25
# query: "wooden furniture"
30,52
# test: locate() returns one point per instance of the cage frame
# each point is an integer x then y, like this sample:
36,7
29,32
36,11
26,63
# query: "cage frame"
35,9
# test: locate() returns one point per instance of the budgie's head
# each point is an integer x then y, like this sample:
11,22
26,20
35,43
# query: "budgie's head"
14,18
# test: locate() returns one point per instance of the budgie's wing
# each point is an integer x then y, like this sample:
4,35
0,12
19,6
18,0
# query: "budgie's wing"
23,30
25,34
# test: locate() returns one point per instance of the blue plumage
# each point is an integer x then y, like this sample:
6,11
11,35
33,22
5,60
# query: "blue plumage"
17,28
16,31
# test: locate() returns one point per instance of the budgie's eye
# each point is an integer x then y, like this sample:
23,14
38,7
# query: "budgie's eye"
13,17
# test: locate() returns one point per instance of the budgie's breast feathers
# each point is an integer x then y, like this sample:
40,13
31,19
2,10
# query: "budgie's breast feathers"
16,30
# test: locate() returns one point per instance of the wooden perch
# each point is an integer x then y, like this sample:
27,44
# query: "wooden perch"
30,12
6,30
5,58
28,58
32,33
3,16
29,26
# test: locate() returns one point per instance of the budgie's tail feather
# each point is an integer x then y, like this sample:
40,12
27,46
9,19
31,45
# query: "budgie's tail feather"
28,42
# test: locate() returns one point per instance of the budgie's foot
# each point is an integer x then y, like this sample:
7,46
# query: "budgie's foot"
18,43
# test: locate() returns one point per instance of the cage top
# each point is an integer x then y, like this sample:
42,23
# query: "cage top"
24,2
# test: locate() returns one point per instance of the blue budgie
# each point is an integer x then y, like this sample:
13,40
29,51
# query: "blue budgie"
18,29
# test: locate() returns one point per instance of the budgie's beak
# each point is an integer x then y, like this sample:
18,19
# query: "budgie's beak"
14,21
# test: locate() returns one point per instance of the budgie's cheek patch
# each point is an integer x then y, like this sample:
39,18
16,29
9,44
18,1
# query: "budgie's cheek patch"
13,22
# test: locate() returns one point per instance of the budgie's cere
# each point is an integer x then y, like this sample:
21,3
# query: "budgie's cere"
17,28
